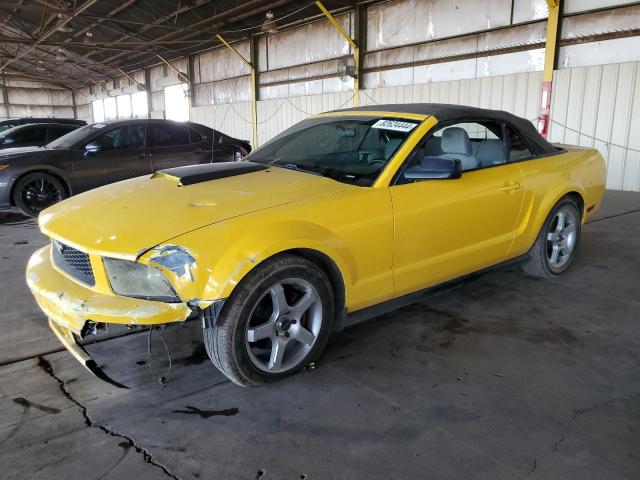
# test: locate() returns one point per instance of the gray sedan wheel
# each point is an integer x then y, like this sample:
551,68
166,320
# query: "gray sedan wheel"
36,191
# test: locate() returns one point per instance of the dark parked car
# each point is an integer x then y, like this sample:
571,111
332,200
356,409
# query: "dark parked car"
14,122
33,134
33,178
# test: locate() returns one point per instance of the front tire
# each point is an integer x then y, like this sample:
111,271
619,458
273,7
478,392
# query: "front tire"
276,322
555,247
36,191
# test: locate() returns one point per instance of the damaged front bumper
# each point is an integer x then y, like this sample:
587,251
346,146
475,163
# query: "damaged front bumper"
69,306
68,339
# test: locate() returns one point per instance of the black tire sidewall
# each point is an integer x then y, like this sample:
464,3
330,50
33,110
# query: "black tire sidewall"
20,184
235,314
542,247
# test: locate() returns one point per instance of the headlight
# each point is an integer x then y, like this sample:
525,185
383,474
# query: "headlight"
133,279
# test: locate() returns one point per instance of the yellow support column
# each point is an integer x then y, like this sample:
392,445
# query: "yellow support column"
173,67
354,46
549,63
254,100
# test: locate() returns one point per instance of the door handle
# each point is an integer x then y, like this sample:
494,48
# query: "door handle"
145,155
510,186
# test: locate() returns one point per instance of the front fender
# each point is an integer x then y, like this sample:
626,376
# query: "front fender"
223,255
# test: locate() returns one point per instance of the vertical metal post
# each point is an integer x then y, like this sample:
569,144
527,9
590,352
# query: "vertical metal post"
360,39
550,52
147,87
192,77
75,104
354,47
255,92
5,97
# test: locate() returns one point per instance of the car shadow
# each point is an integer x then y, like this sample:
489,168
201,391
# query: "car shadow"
14,217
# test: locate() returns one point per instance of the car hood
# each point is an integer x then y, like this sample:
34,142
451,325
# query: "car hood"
127,218
6,153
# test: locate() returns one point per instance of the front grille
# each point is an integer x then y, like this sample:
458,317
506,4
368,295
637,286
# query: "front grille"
73,262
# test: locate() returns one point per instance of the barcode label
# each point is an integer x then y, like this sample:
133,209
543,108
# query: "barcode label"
394,125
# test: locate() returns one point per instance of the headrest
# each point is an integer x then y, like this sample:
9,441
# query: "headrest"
455,140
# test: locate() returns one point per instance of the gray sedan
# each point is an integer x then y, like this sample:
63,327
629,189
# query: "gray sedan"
33,178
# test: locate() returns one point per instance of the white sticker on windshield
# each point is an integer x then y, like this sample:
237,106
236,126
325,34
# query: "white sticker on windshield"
394,125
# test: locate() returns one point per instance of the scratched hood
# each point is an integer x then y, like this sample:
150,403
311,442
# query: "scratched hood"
126,218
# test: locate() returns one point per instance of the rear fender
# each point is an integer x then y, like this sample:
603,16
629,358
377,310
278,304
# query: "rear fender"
538,210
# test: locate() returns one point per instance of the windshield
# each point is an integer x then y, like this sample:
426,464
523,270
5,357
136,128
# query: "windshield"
75,136
6,126
349,149
4,131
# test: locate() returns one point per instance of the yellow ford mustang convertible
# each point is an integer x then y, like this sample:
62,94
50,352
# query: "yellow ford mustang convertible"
339,218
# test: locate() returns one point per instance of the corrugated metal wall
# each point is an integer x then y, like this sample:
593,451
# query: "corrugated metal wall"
599,106
519,94
28,98
595,106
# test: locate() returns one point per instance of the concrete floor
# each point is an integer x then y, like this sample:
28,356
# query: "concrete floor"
503,377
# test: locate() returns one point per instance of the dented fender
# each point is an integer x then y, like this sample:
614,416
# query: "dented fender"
220,267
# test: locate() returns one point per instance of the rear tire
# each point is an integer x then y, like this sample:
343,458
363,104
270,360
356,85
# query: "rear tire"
276,322
36,191
555,247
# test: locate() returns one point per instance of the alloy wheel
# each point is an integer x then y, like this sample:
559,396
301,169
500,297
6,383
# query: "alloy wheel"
561,237
284,325
40,193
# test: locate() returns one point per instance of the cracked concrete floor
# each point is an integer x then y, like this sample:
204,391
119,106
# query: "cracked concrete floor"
502,377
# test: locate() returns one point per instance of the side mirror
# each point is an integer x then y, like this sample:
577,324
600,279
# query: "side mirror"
91,147
435,168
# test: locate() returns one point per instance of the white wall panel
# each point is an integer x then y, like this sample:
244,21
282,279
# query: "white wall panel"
411,21
220,64
309,43
232,119
606,52
85,112
274,116
598,106
525,10
573,6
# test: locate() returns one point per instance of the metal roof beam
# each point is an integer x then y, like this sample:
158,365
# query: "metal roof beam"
49,32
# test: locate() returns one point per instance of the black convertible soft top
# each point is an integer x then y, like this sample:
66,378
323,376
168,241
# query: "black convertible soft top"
447,112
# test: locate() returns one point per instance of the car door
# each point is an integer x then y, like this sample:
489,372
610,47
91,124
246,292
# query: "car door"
170,146
117,154
446,228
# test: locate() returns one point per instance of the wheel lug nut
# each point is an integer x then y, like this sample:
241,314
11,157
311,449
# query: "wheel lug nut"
286,334
293,322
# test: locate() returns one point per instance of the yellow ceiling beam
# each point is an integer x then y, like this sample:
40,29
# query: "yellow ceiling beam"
354,46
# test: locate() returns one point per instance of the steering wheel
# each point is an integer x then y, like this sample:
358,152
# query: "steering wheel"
374,161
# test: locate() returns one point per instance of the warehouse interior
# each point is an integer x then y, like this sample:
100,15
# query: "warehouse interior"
499,376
